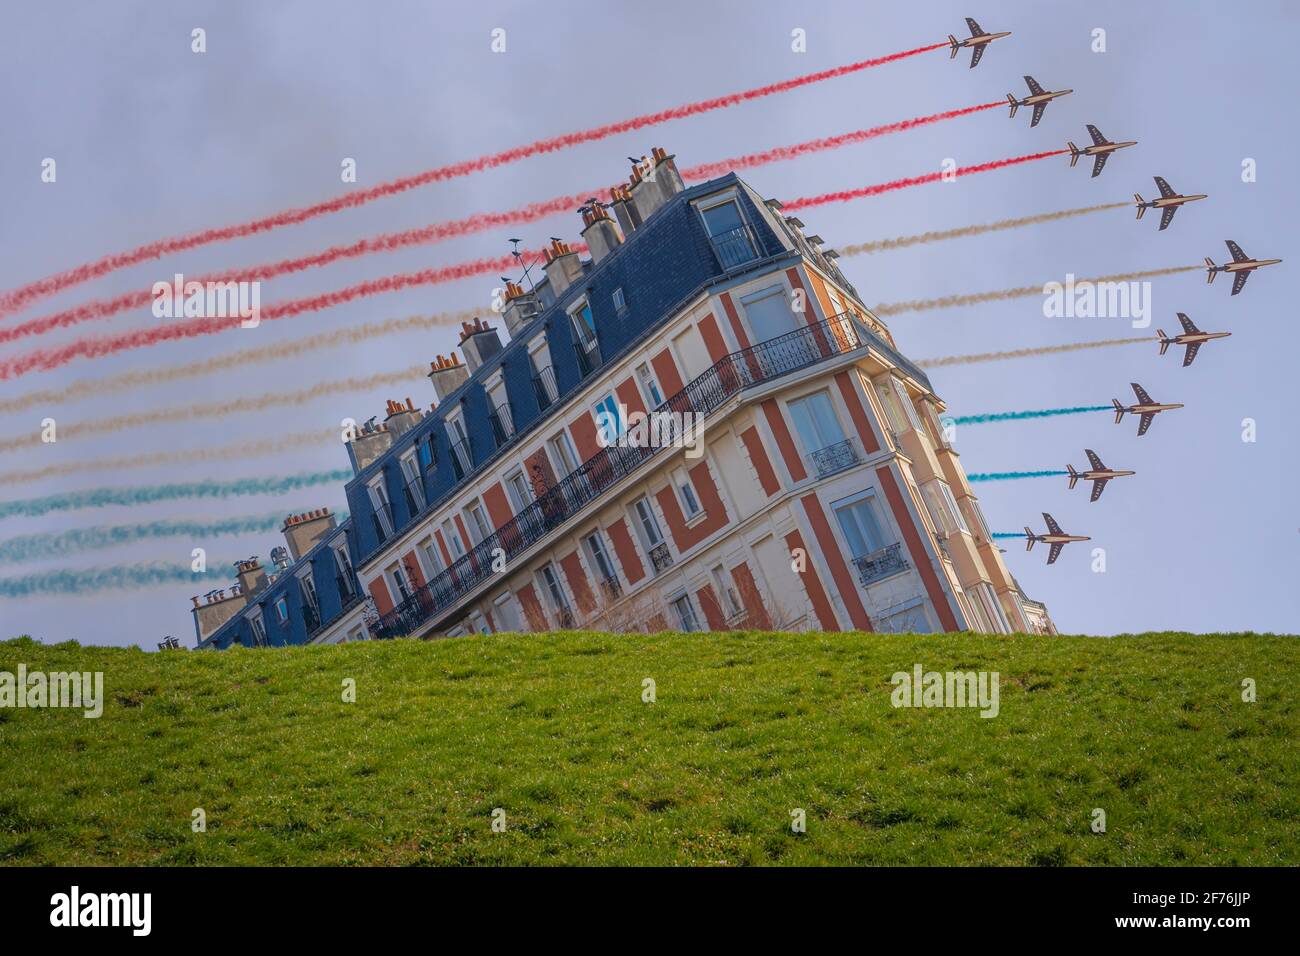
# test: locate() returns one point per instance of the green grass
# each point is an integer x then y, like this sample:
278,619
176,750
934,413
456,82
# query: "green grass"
747,727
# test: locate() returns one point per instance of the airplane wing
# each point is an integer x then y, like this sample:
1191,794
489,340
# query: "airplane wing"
1052,526
1141,393
1055,552
1146,423
1034,88
975,56
1094,459
1190,356
1188,326
1239,281
1097,138
1165,190
1097,487
1098,164
1166,217
1237,254
1038,113
975,30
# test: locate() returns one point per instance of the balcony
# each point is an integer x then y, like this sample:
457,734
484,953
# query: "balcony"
545,388
611,588
564,617
837,457
503,423
734,248
553,509
588,357
660,557
311,618
881,563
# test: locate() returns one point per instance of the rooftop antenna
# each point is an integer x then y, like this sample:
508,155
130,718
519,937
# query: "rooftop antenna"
519,257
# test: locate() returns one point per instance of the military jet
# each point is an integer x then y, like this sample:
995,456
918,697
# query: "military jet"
1192,337
1054,537
1241,266
1145,407
1101,148
1038,98
977,41
1168,202
1098,474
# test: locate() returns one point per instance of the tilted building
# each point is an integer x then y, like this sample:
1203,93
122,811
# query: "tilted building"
798,477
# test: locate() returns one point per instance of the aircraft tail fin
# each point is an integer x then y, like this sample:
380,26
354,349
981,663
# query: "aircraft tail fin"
1164,341
1074,476
1029,537
1137,197
1074,153
952,42
1210,270
1011,98
1119,410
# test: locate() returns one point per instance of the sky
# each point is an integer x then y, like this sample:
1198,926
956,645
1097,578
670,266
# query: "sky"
152,140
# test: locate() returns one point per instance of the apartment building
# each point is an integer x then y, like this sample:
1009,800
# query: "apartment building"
816,490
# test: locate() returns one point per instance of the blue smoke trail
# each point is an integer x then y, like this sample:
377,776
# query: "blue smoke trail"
1008,534
102,497
997,476
1012,416
119,577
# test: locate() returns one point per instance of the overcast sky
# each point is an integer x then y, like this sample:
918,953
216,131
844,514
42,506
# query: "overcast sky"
152,140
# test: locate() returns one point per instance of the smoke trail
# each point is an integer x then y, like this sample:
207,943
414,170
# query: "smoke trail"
950,301
846,195
149,494
245,449
1014,416
117,423
353,335
45,359
1008,534
1013,475
33,547
1028,352
118,577
19,298
437,232
902,242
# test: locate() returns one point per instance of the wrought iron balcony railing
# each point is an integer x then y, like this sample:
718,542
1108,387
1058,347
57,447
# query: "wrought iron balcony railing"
311,618
881,563
783,355
613,590
735,247
588,357
827,461
661,557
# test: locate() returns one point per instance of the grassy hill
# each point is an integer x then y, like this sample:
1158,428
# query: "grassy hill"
746,727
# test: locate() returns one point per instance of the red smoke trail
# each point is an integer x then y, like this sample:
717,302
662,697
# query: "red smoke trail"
437,232
845,195
46,359
20,297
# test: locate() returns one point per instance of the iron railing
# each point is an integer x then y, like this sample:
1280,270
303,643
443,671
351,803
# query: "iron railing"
760,363
881,563
415,499
503,423
383,531
545,388
588,356
734,247
613,590
660,557
462,458
827,461
310,617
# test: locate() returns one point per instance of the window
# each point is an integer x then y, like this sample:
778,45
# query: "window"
478,523
609,420
555,594
427,552
584,327
400,583
646,523
506,612
258,627
308,587
453,539
414,484
282,610
357,634
564,454
600,559
544,385
685,611
343,573
382,514
860,526
728,233
686,495
428,454
898,405
769,313
815,421
503,419
724,585
620,301
943,507
520,492
649,386
462,460
479,623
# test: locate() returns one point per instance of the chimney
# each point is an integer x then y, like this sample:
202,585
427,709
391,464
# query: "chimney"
479,341
669,179
400,418
654,181
216,608
304,531
371,442
562,266
620,199
252,578
447,374
521,308
599,232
